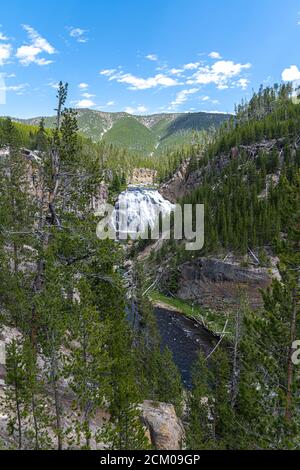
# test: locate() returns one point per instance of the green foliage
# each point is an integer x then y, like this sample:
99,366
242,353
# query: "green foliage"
140,135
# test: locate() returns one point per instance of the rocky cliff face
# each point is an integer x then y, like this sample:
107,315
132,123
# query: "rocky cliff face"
184,182
176,188
216,284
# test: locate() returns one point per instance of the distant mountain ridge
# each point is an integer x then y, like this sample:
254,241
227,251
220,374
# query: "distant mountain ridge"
141,134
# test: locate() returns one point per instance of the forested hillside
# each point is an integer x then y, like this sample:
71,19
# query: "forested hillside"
79,368
249,181
70,351
142,135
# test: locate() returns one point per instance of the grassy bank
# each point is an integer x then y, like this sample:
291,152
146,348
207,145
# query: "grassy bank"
212,320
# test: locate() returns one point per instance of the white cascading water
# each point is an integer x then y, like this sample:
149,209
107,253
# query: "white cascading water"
141,207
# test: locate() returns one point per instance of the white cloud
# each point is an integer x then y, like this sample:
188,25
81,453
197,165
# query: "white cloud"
152,57
8,75
139,109
191,66
175,71
78,34
87,95
107,72
222,73
17,88
83,86
222,86
53,85
5,53
29,53
219,73
242,83
181,97
110,103
215,55
291,74
85,103
138,83
207,99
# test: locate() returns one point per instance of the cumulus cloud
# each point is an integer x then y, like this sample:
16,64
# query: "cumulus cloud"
87,95
30,53
208,99
110,103
5,53
85,103
219,73
83,86
242,83
78,34
152,57
138,110
107,72
175,71
181,97
291,74
215,55
138,83
191,66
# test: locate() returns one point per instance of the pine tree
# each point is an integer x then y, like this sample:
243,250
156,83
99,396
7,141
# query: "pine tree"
15,391
36,404
200,403
88,365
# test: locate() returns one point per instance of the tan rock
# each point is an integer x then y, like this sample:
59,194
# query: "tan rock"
166,429
143,176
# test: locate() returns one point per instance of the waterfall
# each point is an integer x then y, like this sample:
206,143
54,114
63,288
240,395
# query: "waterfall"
137,208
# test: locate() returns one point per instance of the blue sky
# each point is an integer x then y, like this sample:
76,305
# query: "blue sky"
144,56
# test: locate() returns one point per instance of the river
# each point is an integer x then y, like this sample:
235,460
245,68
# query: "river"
185,338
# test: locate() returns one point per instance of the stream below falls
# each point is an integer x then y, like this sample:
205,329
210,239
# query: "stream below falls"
185,338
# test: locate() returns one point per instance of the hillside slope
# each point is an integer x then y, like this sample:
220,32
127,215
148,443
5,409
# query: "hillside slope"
142,134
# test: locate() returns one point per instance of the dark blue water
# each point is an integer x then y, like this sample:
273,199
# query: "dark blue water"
185,338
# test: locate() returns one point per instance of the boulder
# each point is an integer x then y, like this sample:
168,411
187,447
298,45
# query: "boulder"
165,428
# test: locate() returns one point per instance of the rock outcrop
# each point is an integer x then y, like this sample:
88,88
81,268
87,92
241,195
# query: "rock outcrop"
216,284
166,429
175,188
143,176
184,182
100,198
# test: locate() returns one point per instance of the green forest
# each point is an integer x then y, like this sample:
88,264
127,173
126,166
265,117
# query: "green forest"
63,299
